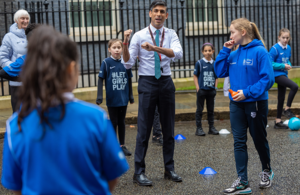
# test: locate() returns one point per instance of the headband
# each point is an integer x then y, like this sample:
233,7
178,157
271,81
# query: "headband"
207,44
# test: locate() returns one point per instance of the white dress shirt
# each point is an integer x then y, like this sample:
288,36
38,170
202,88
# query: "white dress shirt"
146,58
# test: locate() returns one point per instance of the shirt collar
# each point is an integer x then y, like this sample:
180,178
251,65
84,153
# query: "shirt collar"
283,47
211,61
115,59
69,96
153,29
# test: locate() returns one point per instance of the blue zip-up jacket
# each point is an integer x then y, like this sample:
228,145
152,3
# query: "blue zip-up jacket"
15,68
280,57
249,68
14,45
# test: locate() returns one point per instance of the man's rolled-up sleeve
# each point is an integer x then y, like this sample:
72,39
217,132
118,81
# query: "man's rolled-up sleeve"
133,51
176,47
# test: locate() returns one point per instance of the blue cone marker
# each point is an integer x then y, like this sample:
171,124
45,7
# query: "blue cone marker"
179,137
207,171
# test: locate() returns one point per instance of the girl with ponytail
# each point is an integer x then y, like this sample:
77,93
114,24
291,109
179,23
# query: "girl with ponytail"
57,144
280,55
251,75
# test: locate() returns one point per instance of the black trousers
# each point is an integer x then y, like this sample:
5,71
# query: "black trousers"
284,82
152,92
14,97
209,96
117,116
156,124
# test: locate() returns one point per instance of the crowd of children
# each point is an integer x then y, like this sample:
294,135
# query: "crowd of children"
49,78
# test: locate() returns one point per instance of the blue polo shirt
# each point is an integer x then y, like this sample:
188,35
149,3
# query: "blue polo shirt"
204,70
78,155
280,56
116,82
14,68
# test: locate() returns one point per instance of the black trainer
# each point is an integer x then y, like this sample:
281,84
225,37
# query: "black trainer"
288,113
158,140
126,151
280,125
199,131
213,130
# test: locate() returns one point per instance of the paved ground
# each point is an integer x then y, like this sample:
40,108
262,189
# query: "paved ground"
195,153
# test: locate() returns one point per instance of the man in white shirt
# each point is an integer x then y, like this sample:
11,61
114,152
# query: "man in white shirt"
155,46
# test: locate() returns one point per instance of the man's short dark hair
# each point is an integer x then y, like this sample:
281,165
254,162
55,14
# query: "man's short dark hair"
156,3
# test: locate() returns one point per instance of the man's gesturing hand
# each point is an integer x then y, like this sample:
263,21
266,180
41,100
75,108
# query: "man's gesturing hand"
127,35
147,46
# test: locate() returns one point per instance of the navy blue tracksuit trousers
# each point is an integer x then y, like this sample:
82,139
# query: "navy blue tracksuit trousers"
252,115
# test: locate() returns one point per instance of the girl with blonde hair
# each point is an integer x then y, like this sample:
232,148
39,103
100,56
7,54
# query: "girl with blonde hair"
251,75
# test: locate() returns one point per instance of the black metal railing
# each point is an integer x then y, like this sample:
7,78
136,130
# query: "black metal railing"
92,23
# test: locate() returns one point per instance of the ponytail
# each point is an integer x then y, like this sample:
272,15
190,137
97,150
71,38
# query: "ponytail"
249,27
256,32
44,72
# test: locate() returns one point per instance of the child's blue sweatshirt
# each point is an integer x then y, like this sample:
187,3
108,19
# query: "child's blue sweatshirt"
279,57
14,68
249,68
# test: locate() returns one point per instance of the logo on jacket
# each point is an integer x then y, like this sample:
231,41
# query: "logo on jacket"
281,53
285,60
248,62
112,67
232,63
204,66
253,114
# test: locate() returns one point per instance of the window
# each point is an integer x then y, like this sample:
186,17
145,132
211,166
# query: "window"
88,18
204,17
202,12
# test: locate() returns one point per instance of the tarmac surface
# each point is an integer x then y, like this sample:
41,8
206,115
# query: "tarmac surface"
215,151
